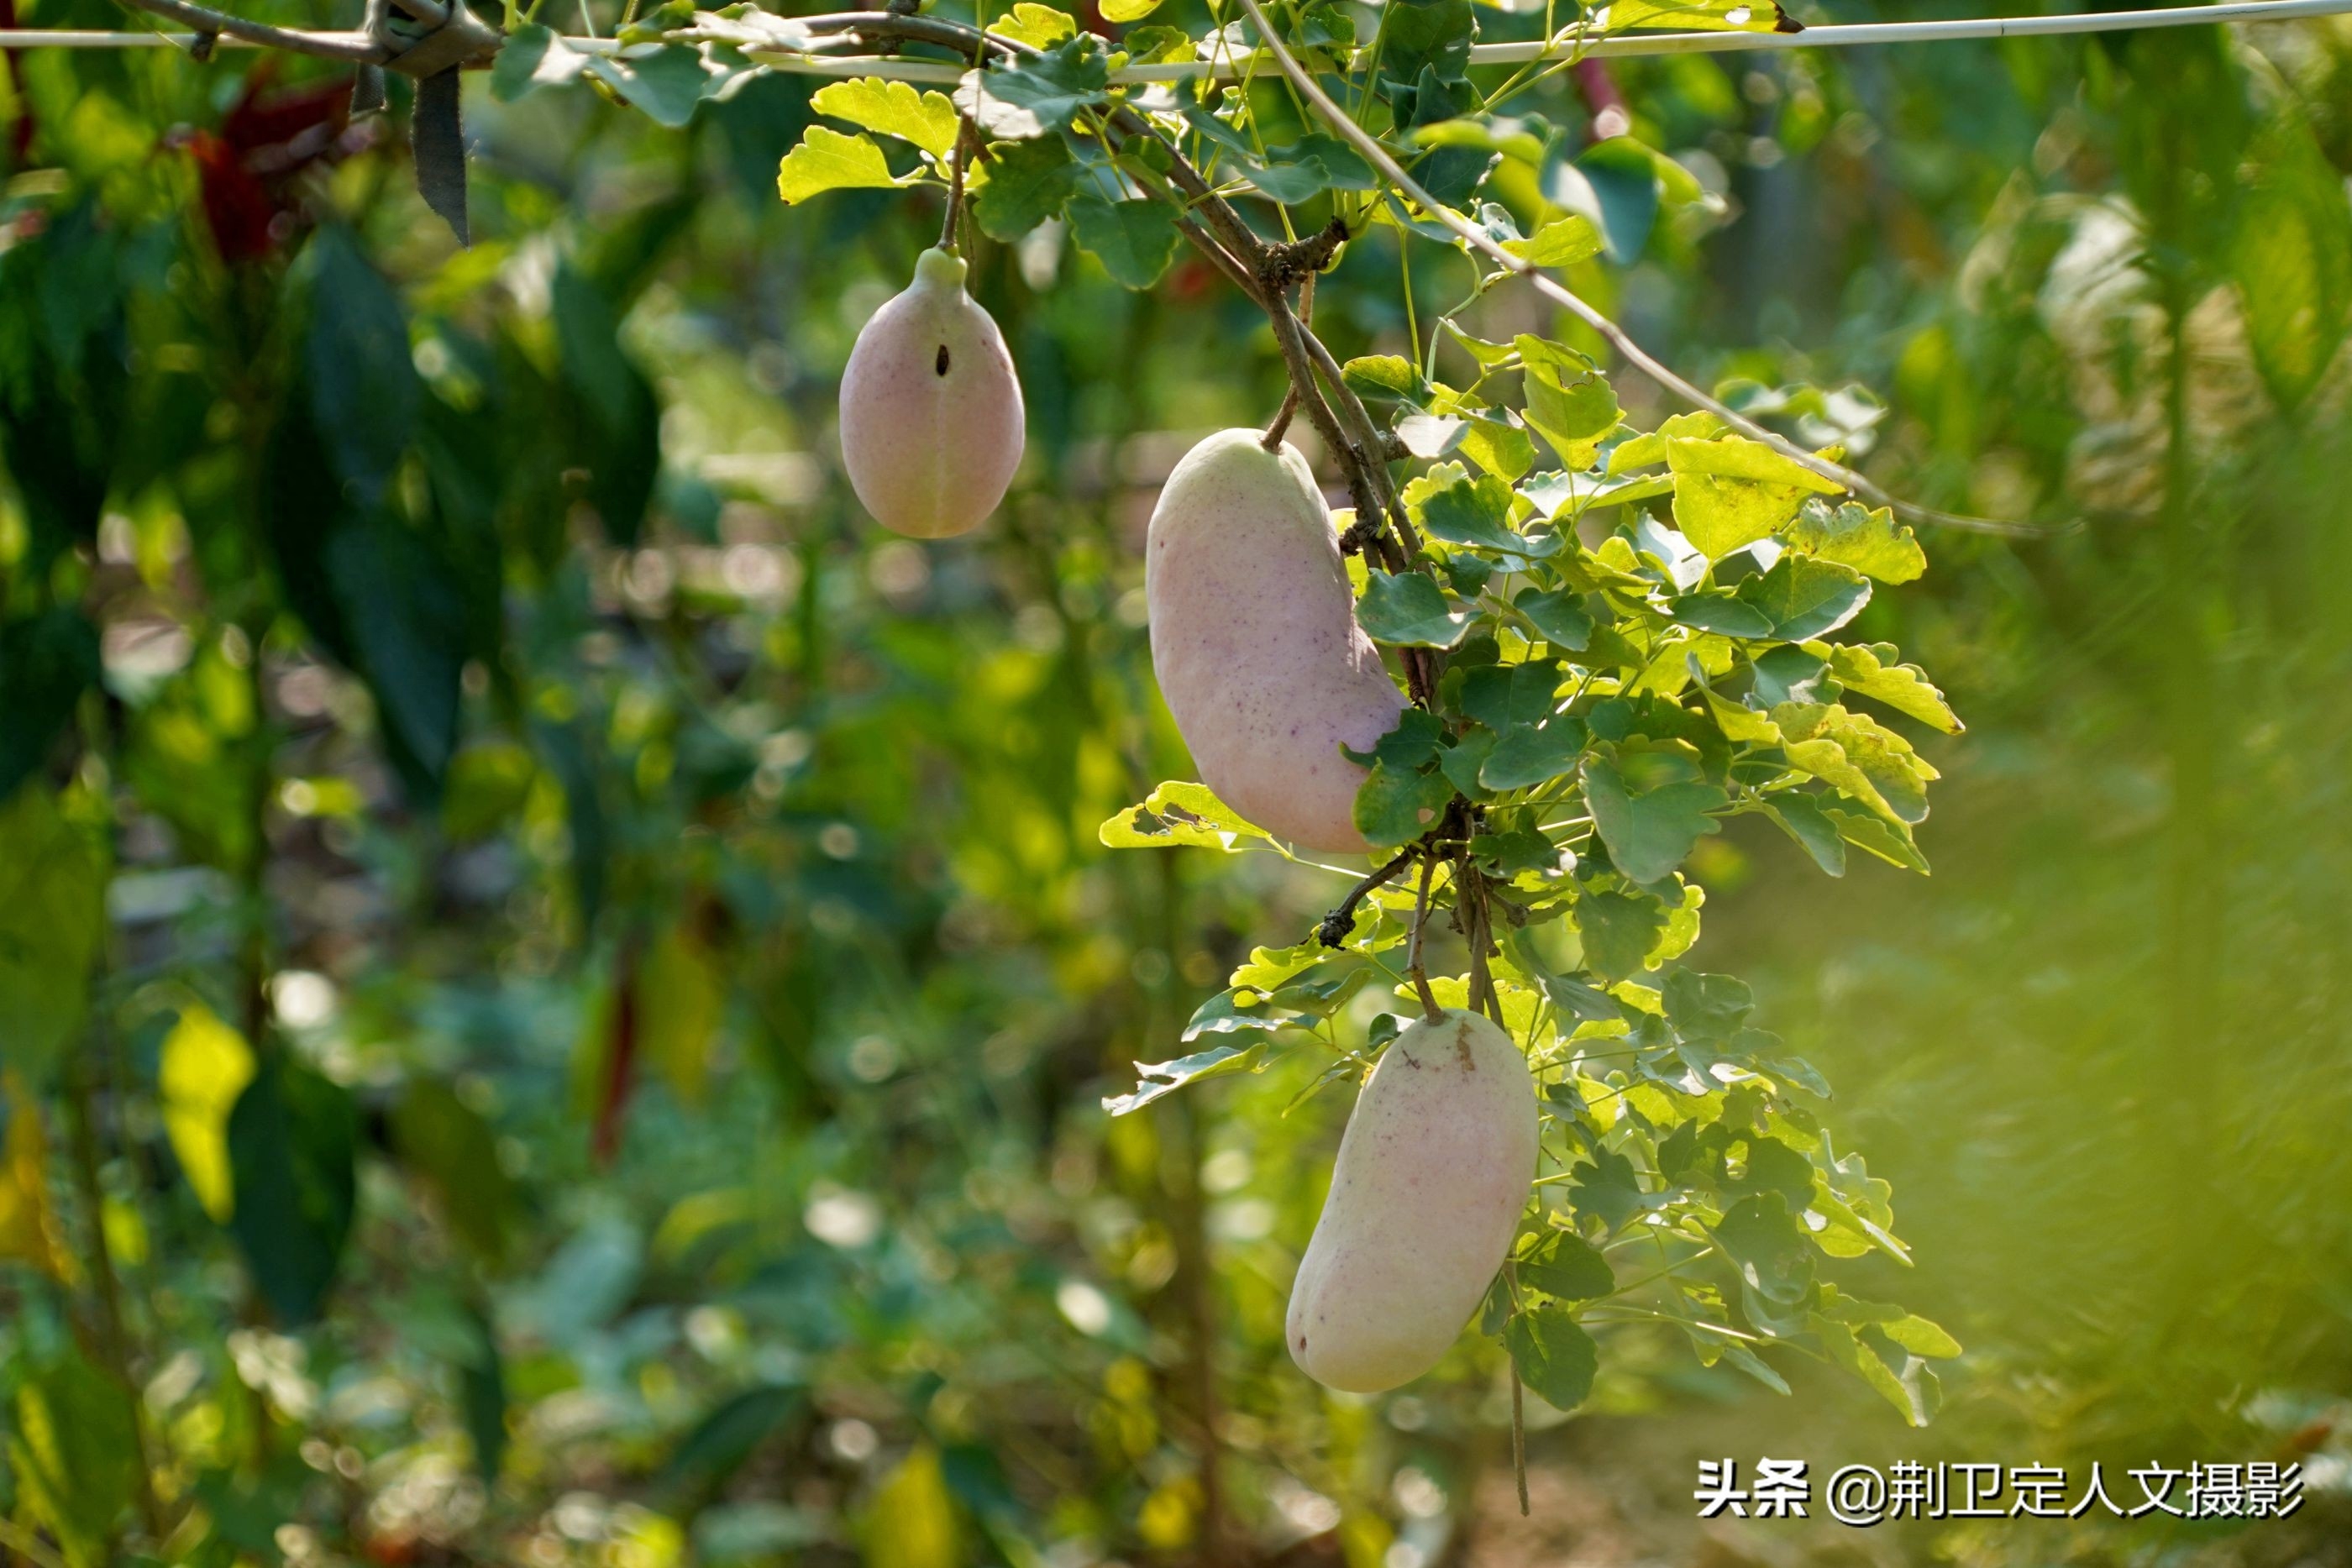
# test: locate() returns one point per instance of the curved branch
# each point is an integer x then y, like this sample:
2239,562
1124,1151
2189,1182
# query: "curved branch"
1637,355
356,47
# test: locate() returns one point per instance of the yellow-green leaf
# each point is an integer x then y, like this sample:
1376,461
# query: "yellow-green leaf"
205,1066
681,995
1128,10
895,108
1871,542
1870,669
1696,17
1563,243
912,1522
1177,814
1731,492
29,1226
827,161
1039,27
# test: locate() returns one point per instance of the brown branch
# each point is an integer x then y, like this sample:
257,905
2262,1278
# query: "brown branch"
1333,928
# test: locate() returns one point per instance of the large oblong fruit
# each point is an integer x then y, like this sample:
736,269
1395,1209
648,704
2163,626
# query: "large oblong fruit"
1432,1177
1254,640
930,409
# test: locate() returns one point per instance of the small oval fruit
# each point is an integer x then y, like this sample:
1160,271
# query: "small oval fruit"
1254,640
931,408
1432,1173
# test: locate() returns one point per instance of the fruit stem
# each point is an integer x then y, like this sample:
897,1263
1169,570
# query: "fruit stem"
966,143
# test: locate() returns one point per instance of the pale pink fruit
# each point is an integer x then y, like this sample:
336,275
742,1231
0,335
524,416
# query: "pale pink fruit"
1254,637
930,409
1432,1174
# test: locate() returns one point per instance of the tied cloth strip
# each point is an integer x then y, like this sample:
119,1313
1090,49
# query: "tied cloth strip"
432,54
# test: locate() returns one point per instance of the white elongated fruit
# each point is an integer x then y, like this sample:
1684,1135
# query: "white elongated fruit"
1432,1174
930,409
1254,637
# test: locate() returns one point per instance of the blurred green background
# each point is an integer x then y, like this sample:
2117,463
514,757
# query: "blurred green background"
678,903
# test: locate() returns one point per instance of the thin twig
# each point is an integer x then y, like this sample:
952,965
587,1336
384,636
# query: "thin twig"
1639,358
1413,964
1333,928
354,46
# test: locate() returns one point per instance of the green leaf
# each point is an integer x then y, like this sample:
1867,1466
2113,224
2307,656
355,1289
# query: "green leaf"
1135,240
825,160
1607,1189
1384,376
1157,46
1768,1247
1709,1008
1028,182
1406,609
364,389
720,1445
1500,448
1714,609
1563,1264
681,998
669,83
1869,669
1871,542
1558,615
75,1456
1804,821
2290,257
1890,841
1909,1397
1790,674
1411,742
1128,10
403,610
1473,513
1563,242
1528,755
1619,187
1162,1078
1176,814
1307,167
1805,597
454,1151
531,58
895,108
1502,696
1618,931
53,876
1395,806
47,661
1650,831
292,1142
1730,491
1067,78
1569,402
1555,1357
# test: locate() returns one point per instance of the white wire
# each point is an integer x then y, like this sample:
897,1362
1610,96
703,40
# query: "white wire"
1624,46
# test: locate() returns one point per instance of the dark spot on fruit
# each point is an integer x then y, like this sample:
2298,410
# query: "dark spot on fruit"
940,365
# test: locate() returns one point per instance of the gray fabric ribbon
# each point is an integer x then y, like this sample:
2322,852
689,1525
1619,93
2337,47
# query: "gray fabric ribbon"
432,56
